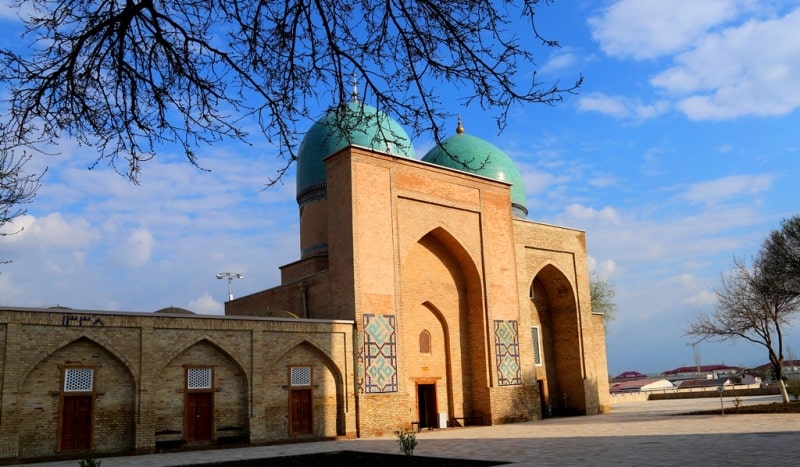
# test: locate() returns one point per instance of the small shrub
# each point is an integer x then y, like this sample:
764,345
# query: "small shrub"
737,402
89,462
407,441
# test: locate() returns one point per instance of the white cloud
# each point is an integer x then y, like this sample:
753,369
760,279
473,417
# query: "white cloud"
561,60
604,268
750,69
206,305
601,103
13,9
607,215
621,107
728,188
645,29
49,231
135,251
703,298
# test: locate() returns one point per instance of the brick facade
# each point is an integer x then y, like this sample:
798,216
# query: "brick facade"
140,361
413,302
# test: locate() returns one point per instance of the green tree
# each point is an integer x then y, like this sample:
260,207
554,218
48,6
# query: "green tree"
602,293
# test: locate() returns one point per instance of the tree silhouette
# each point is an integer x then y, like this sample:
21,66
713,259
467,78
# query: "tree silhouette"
126,77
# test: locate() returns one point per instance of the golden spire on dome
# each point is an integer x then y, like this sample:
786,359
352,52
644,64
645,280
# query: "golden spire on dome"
460,127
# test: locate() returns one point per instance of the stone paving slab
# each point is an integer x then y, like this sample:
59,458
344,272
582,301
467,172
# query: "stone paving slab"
632,434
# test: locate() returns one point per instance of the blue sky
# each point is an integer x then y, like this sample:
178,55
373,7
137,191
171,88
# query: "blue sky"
680,151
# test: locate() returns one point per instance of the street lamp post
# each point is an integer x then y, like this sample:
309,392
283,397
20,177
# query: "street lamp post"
230,276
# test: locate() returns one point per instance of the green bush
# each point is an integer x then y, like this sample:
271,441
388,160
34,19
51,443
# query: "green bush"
407,441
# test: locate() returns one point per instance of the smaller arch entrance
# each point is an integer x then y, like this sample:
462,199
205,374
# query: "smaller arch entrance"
554,314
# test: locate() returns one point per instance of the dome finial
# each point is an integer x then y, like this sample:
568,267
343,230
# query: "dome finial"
460,127
355,87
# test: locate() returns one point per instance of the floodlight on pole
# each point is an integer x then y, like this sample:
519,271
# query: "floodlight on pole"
231,276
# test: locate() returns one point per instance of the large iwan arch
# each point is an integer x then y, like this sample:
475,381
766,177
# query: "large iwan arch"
441,292
554,311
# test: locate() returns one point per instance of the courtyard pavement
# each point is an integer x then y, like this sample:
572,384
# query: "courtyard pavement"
632,434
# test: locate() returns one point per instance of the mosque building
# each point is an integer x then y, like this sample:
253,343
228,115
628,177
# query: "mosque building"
423,297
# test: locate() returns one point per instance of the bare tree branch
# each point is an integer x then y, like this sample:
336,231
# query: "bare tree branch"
17,187
751,306
126,77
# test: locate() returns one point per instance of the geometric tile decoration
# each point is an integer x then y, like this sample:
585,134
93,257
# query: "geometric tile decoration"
300,376
506,348
198,378
380,354
78,380
360,362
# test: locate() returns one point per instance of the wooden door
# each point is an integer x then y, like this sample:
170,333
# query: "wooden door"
300,411
76,423
199,416
426,397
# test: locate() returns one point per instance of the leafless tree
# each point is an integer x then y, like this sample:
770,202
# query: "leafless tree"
126,77
749,308
17,188
781,257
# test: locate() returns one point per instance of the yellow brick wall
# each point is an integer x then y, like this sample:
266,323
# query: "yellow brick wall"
140,361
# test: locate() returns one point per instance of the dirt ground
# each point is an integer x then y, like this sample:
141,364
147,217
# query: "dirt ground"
775,407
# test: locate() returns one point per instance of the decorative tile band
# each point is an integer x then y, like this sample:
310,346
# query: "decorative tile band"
380,354
506,345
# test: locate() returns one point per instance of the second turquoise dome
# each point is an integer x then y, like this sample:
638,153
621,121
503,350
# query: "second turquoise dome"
470,154
355,124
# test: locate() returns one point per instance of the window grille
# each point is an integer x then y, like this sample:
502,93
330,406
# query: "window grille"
537,346
78,380
425,341
198,378
300,376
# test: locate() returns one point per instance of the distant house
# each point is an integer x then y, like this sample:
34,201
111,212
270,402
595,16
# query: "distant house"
703,384
628,376
700,372
791,369
643,385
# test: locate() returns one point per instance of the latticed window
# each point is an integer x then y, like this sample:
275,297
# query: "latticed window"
300,376
78,380
199,378
425,341
537,345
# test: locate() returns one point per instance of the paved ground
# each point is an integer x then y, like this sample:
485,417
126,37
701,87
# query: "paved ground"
633,434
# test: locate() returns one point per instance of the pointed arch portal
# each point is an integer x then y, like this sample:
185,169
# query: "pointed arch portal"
441,293
553,303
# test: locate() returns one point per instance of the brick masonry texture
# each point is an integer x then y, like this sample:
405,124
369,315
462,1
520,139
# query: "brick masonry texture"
431,250
139,362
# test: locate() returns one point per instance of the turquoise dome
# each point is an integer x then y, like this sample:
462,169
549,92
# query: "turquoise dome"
354,124
470,154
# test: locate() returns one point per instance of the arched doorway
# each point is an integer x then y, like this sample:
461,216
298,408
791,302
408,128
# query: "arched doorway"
202,396
556,334
77,387
441,298
312,401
